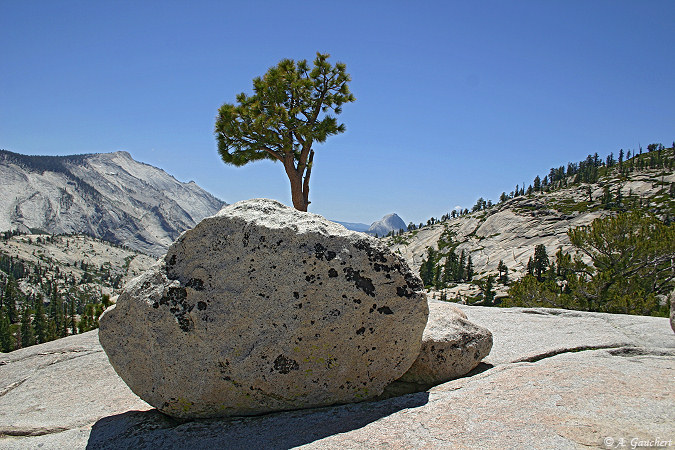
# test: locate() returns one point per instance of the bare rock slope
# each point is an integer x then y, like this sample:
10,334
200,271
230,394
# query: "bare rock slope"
554,379
511,230
107,195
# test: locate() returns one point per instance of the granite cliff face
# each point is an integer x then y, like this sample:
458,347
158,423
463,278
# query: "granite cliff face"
390,222
109,195
509,231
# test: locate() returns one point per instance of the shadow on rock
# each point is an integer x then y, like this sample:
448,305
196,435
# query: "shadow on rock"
152,429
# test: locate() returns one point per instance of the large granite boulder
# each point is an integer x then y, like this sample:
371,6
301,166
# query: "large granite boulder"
264,308
452,346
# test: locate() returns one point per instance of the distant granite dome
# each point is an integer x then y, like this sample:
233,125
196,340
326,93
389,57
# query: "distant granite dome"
390,222
106,195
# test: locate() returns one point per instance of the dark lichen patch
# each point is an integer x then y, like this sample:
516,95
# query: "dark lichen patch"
374,254
322,252
196,284
172,260
361,282
361,330
385,310
404,291
285,365
332,273
201,306
382,268
176,299
296,295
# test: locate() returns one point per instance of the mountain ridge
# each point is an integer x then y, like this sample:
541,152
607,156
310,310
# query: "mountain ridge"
106,195
510,230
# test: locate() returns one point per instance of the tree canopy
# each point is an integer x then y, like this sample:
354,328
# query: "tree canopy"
292,107
631,269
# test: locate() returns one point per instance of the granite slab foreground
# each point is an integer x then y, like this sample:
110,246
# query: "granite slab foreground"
554,379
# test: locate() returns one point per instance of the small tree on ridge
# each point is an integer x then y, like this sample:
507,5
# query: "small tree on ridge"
288,112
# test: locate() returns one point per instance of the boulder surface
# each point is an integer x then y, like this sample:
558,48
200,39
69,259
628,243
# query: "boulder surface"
264,308
544,391
452,346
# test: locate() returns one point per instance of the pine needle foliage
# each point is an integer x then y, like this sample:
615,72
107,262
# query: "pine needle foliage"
632,268
293,106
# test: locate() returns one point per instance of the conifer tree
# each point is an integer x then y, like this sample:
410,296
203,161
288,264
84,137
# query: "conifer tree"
488,291
427,268
5,334
469,268
448,269
73,319
40,322
632,256
9,299
437,277
503,272
27,337
287,114
540,262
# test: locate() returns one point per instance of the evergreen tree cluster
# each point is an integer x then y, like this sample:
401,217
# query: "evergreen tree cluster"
630,271
27,320
444,266
57,301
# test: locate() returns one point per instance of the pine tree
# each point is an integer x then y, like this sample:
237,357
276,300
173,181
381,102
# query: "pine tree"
9,299
27,337
632,257
488,291
427,268
73,320
40,323
56,315
540,261
5,334
469,269
437,277
503,272
292,108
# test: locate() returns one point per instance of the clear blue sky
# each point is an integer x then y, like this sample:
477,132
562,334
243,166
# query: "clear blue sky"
455,99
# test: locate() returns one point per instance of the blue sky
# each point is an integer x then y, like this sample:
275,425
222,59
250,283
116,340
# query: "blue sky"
454,100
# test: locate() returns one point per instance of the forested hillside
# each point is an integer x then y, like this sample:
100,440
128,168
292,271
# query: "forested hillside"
554,235
52,286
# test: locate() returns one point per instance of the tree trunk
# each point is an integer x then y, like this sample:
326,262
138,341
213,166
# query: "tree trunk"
295,177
